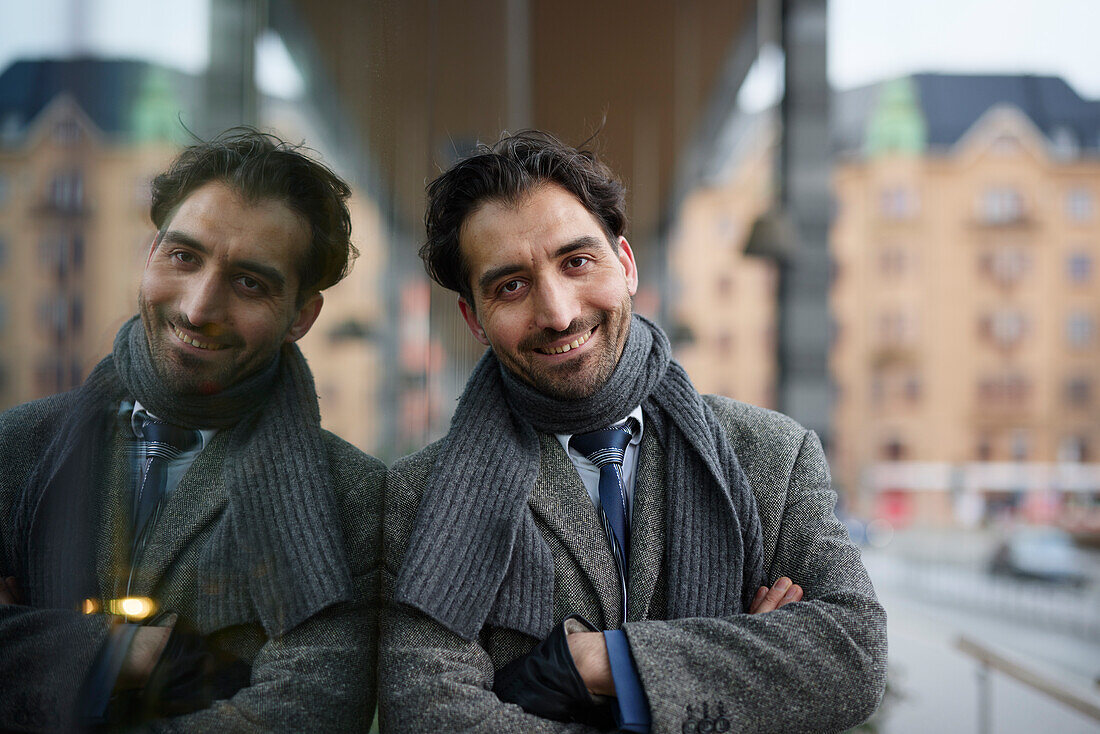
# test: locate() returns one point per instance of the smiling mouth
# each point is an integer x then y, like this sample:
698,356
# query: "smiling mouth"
566,347
195,342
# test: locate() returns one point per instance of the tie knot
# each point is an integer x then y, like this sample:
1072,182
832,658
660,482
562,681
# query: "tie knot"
167,438
605,446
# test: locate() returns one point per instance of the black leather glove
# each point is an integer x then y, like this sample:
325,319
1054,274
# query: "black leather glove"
545,682
189,676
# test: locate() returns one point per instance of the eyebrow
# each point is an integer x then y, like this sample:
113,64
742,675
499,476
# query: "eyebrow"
492,274
269,273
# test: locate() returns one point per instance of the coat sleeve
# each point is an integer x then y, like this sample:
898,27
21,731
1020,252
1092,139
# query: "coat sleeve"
44,656
817,665
44,653
430,679
320,676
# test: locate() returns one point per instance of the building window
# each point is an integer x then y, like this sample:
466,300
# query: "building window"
1079,205
1079,267
1073,449
1006,265
66,191
894,450
1020,444
1006,327
983,451
1001,205
66,131
1008,389
1078,392
898,202
894,261
61,254
897,327
1080,329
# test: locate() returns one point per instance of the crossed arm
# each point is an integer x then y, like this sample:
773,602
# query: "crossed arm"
817,664
589,650
49,651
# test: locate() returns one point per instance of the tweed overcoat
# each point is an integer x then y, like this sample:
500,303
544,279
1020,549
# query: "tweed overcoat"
814,666
318,676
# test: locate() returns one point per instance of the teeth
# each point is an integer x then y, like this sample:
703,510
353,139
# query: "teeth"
194,342
571,345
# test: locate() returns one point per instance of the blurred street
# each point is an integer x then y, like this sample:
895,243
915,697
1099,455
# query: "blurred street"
936,589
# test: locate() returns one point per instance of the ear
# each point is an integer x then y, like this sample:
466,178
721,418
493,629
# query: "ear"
307,314
471,320
630,270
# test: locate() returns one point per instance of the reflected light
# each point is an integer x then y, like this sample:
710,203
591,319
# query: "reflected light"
133,607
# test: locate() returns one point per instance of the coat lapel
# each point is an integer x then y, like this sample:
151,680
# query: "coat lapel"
200,497
647,527
563,508
113,537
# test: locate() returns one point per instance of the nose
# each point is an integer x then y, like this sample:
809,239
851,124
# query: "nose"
204,301
557,304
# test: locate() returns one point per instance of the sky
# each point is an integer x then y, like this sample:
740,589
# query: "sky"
869,40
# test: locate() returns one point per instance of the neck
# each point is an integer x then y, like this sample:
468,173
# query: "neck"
220,410
645,358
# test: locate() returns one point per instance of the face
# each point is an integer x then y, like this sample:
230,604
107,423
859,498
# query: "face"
220,289
551,295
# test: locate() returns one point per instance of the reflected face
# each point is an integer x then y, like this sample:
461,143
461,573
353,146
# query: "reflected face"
552,297
220,288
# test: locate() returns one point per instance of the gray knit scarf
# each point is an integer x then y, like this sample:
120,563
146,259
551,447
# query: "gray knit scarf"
283,533
489,565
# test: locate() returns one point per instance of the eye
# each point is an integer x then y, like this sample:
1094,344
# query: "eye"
250,284
511,286
576,261
182,256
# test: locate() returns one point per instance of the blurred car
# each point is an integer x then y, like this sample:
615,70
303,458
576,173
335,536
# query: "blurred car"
1040,554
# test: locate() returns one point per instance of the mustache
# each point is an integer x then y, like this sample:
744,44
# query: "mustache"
218,332
546,337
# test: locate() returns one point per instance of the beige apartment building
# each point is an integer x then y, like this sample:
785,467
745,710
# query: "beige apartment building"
966,302
74,231
723,300
80,142
965,297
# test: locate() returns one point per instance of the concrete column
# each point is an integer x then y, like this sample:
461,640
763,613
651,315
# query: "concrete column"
804,321
230,84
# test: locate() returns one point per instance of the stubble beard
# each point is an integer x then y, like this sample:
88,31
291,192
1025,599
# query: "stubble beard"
581,378
179,372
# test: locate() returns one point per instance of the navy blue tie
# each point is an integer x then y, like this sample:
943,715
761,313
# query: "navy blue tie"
606,448
163,443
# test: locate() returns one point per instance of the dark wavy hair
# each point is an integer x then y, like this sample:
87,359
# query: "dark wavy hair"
260,166
505,172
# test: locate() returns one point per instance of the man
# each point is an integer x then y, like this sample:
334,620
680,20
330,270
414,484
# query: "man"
183,546
594,544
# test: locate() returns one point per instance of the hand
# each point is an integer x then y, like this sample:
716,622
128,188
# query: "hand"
546,682
171,670
9,591
589,651
145,650
781,594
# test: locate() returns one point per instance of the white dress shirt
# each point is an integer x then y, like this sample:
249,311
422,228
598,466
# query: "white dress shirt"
590,473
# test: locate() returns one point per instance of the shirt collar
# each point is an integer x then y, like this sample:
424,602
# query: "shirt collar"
636,439
138,414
